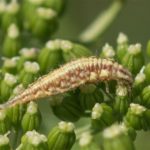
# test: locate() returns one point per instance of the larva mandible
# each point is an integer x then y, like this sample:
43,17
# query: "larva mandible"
72,75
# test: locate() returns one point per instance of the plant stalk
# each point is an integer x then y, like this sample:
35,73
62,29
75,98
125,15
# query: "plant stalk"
101,23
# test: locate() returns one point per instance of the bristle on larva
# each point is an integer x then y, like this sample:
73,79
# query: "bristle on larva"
71,76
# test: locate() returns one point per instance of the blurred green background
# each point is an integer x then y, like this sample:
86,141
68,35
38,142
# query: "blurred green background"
134,20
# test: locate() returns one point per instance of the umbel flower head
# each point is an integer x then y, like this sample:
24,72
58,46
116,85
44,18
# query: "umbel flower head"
33,140
4,142
62,136
96,102
115,137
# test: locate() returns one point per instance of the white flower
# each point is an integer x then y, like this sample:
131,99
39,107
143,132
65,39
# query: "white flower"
13,31
10,79
135,48
66,126
32,67
122,38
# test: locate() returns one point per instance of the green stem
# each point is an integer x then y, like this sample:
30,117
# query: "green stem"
101,23
16,138
108,95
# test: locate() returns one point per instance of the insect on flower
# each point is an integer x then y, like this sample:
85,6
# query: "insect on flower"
71,76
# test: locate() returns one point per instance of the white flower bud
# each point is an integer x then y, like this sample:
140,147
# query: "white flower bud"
4,140
53,45
66,45
13,31
10,79
66,126
108,51
97,111
113,131
137,109
85,139
135,49
122,38
32,108
28,53
46,13
13,7
35,138
32,67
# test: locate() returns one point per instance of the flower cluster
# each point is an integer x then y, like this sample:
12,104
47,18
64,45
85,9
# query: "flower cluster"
115,112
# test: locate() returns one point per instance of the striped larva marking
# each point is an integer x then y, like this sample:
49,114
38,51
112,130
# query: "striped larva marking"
72,75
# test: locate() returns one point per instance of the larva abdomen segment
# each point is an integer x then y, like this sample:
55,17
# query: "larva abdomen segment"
90,70
72,75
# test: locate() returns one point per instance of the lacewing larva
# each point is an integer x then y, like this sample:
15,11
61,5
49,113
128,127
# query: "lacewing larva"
73,75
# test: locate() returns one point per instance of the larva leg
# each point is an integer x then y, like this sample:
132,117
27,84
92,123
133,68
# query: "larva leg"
107,87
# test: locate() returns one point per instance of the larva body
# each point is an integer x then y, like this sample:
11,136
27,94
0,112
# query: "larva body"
72,75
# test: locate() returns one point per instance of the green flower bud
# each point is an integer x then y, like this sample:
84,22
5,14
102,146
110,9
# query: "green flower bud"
1,75
62,136
107,51
12,41
129,131
72,50
86,142
10,15
10,64
32,140
44,23
146,120
57,5
15,113
2,9
134,117
50,56
122,46
36,2
29,7
148,49
5,124
27,54
32,118
89,95
66,107
147,73
2,6
139,83
116,138
6,86
145,97
134,59
29,73
121,102
4,143
102,116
